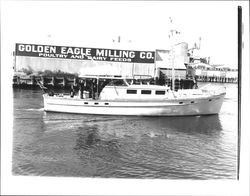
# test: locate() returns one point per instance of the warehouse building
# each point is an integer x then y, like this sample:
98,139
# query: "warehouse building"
100,61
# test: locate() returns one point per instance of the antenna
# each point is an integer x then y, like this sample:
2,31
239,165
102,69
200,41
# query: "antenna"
199,47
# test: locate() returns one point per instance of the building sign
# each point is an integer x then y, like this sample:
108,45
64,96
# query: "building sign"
80,53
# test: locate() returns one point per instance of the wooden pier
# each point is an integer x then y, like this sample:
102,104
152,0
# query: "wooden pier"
47,81
65,82
216,79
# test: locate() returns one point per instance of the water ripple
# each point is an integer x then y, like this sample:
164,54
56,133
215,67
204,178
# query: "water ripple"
54,144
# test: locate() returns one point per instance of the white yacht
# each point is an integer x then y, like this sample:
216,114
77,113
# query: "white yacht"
139,100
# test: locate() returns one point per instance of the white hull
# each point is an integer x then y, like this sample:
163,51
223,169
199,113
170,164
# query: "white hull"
168,107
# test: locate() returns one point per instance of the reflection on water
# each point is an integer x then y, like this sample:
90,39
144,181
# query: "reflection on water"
86,139
57,144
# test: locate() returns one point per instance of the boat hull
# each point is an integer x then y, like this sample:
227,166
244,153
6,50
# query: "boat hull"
171,107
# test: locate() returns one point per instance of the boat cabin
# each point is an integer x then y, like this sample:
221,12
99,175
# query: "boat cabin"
123,90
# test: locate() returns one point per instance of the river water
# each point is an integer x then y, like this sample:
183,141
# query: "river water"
70,145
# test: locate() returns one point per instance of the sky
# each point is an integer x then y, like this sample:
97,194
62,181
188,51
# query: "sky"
142,25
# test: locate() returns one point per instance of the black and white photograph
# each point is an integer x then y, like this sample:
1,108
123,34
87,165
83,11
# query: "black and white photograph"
125,97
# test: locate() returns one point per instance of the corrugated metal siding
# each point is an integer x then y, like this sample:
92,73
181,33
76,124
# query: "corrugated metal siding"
84,66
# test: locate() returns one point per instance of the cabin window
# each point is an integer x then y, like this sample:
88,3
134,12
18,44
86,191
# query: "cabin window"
146,92
96,103
131,91
160,92
192,101
180,102
210,100
117,83
106,103
86,102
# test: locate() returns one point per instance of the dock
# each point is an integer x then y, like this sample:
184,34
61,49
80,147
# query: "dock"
47,81
65,82
216,79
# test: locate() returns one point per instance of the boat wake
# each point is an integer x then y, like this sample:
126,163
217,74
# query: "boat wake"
100,120
32,109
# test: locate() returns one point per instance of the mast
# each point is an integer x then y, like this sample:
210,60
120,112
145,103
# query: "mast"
155,73
14,60
172,60
171,35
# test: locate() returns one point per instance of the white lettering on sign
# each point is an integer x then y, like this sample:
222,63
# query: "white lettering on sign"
142,55
100,58
63,50
34,48
131,54
21,47
99,52
120,59
52,55
76,51
77,57
147,55
88,51
70,50
39,48
115,53
28,48
84,53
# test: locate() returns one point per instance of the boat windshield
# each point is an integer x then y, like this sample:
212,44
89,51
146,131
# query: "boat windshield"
117,83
